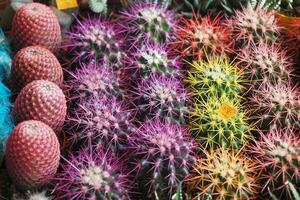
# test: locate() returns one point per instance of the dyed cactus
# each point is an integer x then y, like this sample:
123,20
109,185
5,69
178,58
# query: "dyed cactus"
91,175
105,123
163,98
95,38
223,174
5,58
164,154
32,154
41,100
254,25
36,24
92,80
217,77
266,64
276,107
199,38
35,63
277,156
153,59
220,122
98,6
148,21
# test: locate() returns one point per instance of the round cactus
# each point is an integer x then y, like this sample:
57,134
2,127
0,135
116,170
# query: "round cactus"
276,106
223,174
203,37
91,175
105,123
254,25
153,59
32,154
266,64
220,122
93,80
277,157
148,21
95,38
41,100
161,97
164,154
36,24
98,6
35,63
217,77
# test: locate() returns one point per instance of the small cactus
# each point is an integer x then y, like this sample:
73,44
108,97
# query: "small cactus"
276,106
223,174
216,77
98,6
203,37
163,98
220,122
164,154
277,156
148,21
91,175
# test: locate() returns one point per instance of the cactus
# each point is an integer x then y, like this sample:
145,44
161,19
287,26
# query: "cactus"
277,156
32,195
41,100
35,63
223,174
288,7
216,77
93,80
220,122
203,37
148,22
266,64
276,106
91,175
98,6
36,158
105,123
153,59
163,98
96,39
254,25
163,156
35,24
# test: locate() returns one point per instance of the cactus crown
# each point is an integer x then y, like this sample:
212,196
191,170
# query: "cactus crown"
223,174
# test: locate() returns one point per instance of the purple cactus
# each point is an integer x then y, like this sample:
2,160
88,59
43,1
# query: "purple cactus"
163,157
148,22
161,97
95,38
91,175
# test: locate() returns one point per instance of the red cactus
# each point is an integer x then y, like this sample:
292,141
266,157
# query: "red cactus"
32,154
35,63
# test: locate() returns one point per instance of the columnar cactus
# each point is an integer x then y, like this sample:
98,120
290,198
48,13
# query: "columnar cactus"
148,21
163,98
164,154
91,175
32,154
277,156
36,24
276,106
95,38
220,122
216,77
203,37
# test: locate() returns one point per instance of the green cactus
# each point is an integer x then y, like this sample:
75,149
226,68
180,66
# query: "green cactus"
98,6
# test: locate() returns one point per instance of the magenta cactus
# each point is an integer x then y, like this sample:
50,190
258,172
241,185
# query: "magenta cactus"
277,156
95,38
276,106
93,80
91,175
161,97
148,22
153,58
163,157
103,122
